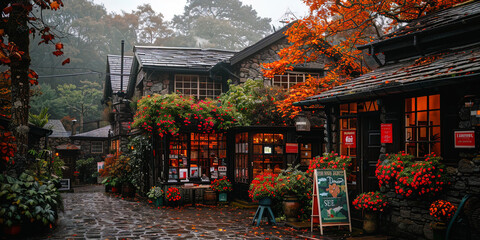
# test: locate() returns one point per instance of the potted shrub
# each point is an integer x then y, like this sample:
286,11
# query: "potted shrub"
221,186
292,184
442,211
173,196
156,195
262,188
422,178
370,203
331,161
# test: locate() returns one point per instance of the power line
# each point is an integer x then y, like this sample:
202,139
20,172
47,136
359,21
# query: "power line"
69,75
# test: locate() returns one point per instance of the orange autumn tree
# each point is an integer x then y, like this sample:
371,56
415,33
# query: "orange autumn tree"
20,20
334,28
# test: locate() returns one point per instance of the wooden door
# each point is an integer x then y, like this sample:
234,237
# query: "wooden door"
369,146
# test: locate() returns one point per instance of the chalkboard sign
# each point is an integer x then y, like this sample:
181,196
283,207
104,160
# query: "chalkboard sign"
330,199
64,185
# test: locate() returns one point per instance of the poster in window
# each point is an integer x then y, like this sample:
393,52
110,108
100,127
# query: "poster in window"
183,173
349,138
267,150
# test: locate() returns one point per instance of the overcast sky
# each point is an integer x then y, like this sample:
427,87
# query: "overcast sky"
273,9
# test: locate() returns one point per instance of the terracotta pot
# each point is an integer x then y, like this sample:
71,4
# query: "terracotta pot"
370,222
439,230
291,207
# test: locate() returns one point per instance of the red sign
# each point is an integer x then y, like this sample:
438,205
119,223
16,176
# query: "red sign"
349,138
291,148
464,139
386,133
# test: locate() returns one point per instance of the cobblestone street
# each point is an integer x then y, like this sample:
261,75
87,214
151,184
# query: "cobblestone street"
92,214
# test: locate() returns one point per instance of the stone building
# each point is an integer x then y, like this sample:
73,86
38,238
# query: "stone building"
424,98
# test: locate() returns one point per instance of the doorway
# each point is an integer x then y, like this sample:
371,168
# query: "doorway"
369,149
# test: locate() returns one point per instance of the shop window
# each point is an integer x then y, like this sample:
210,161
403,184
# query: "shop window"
208,151
96,147
268,152
422,125
199,86
178,158
115,147
241,158
291,78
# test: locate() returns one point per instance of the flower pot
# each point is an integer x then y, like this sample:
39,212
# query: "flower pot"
265,201
158,202
210,197
222,197
439,230
291,207
12,230
370,222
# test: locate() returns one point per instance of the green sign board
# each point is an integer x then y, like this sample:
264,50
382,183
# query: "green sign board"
332,196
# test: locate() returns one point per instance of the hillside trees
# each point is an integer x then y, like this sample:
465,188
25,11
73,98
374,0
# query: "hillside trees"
334,29
224,24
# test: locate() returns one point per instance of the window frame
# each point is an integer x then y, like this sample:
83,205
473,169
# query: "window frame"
96,142
212,88
288,75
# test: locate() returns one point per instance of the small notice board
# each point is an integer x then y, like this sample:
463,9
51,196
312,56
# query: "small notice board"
330,205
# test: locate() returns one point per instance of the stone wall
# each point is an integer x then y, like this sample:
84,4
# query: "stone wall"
156,83
410,218
251,67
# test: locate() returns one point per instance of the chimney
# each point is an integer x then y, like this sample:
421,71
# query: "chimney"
74,131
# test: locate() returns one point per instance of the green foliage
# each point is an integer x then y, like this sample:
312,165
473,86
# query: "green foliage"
292,181
46,165
167,114
255,103
221,185
225,24
39,120
88,170
25,200
47,97
139,148
155,192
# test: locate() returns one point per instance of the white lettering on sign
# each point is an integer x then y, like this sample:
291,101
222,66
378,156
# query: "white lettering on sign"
349,139
329,203
338,181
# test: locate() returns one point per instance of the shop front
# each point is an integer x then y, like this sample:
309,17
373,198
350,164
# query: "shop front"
259,150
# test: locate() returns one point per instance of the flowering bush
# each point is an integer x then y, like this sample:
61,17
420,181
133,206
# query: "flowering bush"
371,201
330,160
155,193
263,186
388,169
173,194
221,185
292,181
76,173
442,210
166,114
422,178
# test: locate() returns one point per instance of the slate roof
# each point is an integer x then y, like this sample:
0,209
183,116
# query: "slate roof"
97,133
439,19
185,58
58,129
114,70
440,68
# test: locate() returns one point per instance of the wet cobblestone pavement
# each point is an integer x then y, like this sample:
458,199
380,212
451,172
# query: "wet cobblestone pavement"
92,214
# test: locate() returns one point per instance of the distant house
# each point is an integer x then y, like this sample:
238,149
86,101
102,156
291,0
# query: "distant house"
94,143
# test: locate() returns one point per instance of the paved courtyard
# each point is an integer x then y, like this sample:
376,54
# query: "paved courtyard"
92,214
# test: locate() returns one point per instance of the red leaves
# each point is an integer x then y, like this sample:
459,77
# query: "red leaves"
32,77
54,5
66,61
7,146
58,53
8,10
59,46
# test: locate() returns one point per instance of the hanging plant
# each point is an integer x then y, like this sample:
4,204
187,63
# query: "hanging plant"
168,114
331,161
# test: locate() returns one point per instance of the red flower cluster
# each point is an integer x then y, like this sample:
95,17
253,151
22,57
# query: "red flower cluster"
373,201
173,194
7,146
263,186
422,178
332,161
221,185
388,169
76,173
442,210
